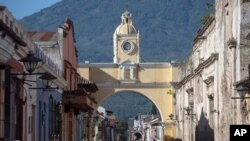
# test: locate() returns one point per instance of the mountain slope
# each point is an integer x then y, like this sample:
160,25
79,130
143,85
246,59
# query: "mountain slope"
167,27
132,105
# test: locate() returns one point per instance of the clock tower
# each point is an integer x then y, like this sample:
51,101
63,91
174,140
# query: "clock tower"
126,41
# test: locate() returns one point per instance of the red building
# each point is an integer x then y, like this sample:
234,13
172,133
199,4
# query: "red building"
77,102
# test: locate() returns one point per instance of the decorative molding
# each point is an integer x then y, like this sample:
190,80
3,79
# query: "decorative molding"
231,43
184,81
206,63
104,65
190,90
128,81
199,69
203,29
210,97
133,85
209,80
115,65
245,1
156,65
8,31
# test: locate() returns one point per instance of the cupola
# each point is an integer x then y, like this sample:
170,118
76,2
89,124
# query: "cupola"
126,26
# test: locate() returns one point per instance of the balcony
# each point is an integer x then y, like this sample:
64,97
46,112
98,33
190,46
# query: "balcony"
88,86
78,99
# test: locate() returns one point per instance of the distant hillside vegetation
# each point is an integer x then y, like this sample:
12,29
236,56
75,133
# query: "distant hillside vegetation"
167,27
127,105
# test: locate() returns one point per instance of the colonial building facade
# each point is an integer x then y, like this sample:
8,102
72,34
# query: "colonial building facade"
147,128
20,89
214,75
34,109
11,102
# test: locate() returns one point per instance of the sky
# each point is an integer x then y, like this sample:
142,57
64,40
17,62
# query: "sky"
22,8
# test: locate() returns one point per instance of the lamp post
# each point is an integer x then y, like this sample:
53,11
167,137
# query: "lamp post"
190,113
30,63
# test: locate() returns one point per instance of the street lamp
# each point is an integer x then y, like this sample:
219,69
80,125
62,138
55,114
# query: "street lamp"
30,62
242,86
47,79
242,91
189,111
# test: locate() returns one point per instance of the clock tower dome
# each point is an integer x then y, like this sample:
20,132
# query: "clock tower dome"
126,41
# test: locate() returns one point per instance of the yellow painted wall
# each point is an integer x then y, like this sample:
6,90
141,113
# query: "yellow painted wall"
108,82
98,75
145,75
155,75
84,72
158,96
122,56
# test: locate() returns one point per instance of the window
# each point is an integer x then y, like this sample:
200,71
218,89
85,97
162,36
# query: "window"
40,120
190,92
1,106
65,73
128,72
30,124
210,95
51,113
57,122
44,121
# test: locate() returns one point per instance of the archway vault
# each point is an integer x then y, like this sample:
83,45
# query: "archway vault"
158,96
152,80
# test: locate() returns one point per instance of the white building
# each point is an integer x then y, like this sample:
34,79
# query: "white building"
217,65
147,128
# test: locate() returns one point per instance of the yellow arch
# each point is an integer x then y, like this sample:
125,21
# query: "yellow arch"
152,80
132,92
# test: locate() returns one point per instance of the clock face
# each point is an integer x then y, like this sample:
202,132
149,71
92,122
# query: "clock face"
127,47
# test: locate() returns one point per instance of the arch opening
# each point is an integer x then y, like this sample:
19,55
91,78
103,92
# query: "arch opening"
133,111
129,104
